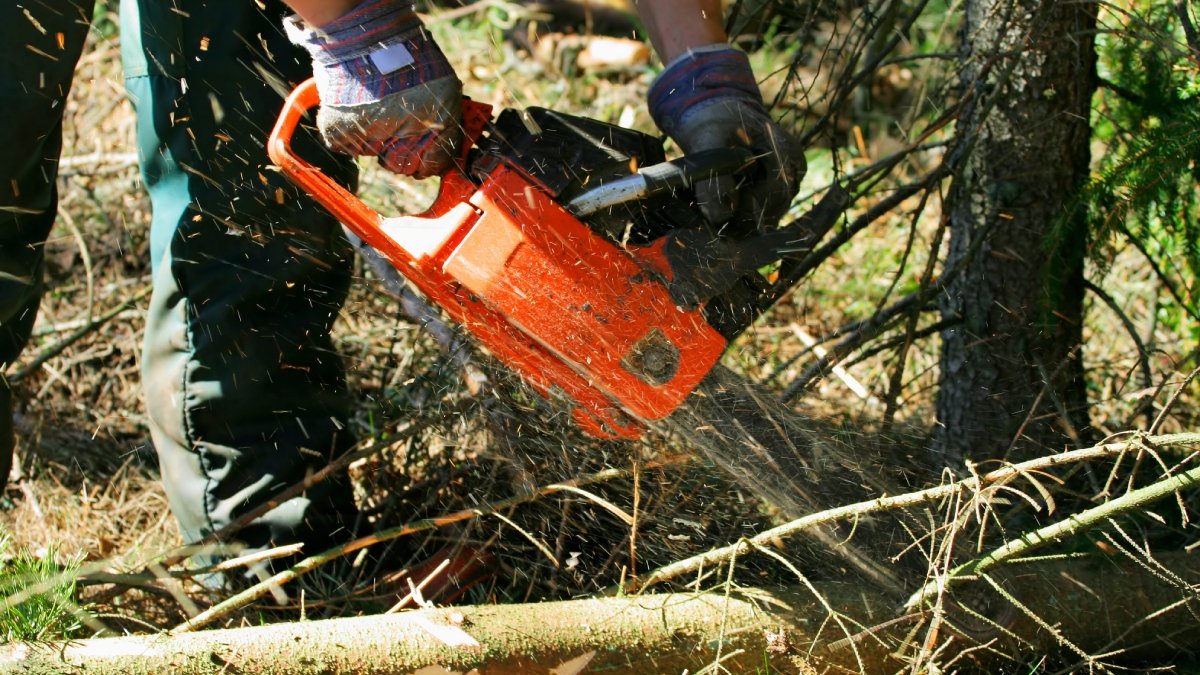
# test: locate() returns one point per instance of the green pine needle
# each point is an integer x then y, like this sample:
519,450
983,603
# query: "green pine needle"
52,615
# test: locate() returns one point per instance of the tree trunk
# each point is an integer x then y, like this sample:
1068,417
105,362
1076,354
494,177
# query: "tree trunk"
1011,376
793,631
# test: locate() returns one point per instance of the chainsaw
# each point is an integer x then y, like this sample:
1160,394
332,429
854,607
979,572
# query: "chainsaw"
572,251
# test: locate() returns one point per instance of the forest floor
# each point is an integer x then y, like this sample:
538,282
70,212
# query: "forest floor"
86,489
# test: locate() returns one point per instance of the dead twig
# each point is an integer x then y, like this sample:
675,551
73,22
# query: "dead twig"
1143,363
58,348
88,273
896,380
1051,630
1031,541
927,496
311,563
1162,414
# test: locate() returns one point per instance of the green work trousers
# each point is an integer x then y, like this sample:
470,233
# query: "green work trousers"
244,391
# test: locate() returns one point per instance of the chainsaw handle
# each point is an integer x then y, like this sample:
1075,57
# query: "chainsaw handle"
663,177
343,204
329,193
697,166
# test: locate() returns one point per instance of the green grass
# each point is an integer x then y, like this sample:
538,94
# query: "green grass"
48,615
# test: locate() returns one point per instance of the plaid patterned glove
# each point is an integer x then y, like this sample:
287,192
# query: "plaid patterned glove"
386,87
708,98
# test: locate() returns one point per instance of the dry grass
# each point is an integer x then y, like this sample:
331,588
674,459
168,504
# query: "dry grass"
87,478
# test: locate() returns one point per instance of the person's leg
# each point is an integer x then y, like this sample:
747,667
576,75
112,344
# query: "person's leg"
244,391
40,43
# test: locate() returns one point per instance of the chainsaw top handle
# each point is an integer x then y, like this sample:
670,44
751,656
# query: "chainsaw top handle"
340,202
664,177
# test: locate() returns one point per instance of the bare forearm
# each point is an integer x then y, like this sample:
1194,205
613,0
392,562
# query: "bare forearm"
676,26
321,12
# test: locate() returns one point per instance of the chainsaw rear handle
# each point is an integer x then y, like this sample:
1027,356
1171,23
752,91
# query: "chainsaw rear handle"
655,179
341,202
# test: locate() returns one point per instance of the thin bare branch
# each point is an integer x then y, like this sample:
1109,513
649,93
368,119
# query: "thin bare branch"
1062,529
922,497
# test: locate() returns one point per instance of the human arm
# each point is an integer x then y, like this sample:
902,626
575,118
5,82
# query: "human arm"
321,12
707,97
675,26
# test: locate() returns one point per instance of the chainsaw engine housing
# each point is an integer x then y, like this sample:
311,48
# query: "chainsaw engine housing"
567,155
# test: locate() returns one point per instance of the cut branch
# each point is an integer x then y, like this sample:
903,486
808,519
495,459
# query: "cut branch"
791,630
928,496
1075,524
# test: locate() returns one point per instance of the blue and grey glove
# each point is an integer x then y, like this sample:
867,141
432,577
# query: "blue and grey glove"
386,87
708,98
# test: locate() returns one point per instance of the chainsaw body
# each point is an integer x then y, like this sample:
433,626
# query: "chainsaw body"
578,315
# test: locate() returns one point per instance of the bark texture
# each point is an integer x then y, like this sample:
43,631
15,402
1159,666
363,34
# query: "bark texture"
793,631
1012,380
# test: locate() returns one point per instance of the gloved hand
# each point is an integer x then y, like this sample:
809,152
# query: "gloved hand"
386,87
708,98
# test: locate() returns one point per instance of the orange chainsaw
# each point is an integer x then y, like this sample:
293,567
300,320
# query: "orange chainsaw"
570,249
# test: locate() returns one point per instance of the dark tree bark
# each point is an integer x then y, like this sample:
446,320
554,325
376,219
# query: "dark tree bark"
1011,375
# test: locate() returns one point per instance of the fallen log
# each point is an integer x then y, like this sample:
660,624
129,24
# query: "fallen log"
1096,610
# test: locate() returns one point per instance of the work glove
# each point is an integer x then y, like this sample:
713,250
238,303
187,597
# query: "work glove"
708,98
386,88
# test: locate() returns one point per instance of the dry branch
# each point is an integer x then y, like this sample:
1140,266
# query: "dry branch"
1068,527
792,629
311,563
90,326
927,496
